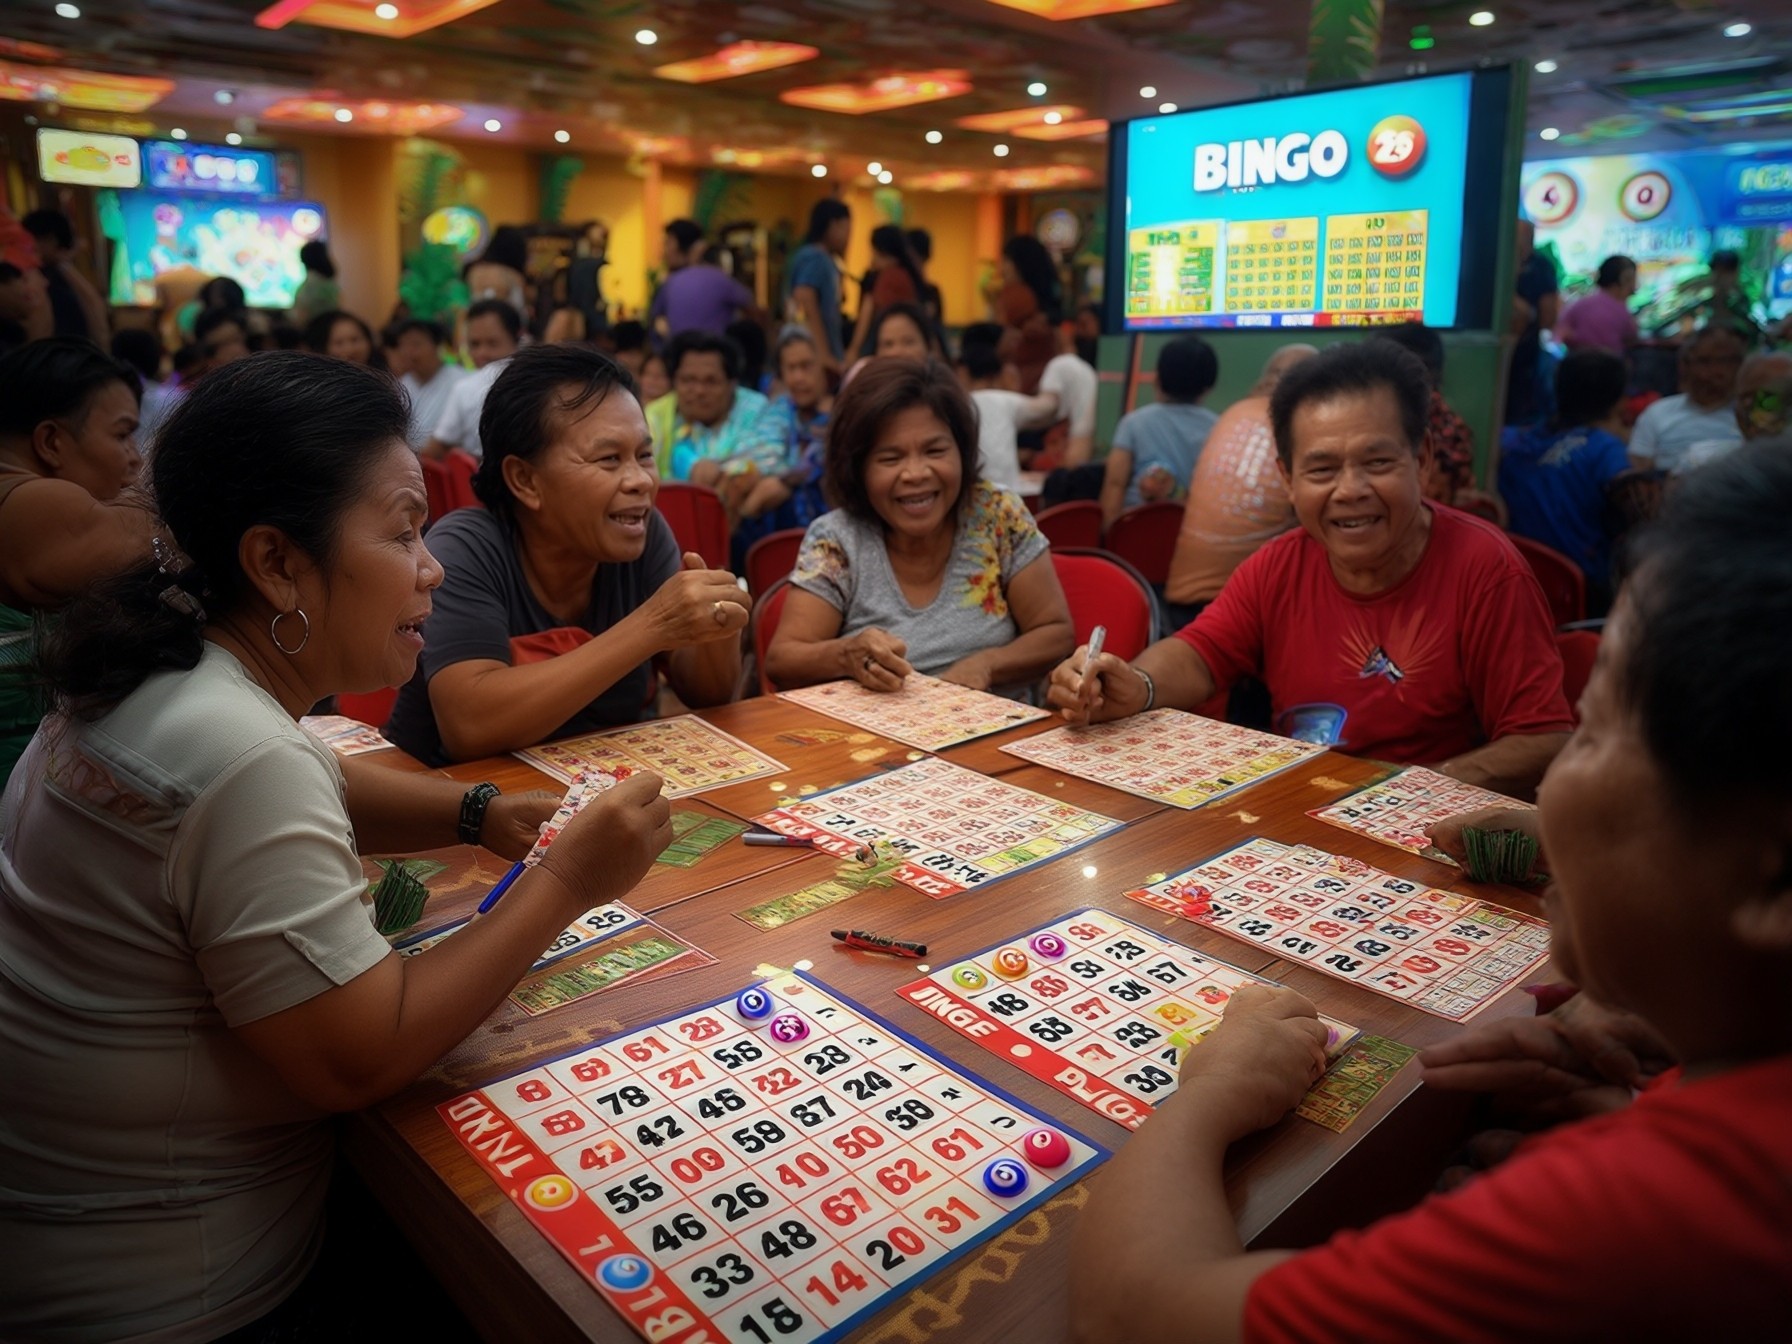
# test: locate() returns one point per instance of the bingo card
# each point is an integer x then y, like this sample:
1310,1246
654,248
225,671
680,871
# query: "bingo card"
1092,1005
1401,809
927,713
688,753
772,1166
953,828
1170,269
1375,265
1447,954
1272,265
1176,758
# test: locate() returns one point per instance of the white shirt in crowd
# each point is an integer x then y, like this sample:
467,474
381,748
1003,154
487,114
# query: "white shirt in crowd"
429,401
1000,416
1673,434
459,425
1076,385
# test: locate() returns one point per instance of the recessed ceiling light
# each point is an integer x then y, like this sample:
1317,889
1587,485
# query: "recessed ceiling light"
1480,18
1037,89
493,124
1545,67
562,136
874,167
68,11
1001,151
224,97
1149,91
386,12
1053,118
646,36
1548,133
1166,107
343,114
178,133
818,170
886,177
233,139
1734,29
934,137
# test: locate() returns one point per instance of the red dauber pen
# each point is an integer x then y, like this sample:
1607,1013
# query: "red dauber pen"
871,942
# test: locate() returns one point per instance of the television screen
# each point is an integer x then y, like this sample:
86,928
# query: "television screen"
1342,208
256,243
86,159
175,165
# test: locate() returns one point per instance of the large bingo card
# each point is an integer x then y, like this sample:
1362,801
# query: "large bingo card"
689,754
1176,758
953,828
927,713
772,1166
1092,1005
1272,265
1402,809
1375,264
1170,269
1447,954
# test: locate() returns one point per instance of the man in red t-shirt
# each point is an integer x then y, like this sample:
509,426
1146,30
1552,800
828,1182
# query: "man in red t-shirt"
1384,625
1666,823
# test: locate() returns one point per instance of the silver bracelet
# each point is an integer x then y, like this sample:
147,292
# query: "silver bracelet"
1150,688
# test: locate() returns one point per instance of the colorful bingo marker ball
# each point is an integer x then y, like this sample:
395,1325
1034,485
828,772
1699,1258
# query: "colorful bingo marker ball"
754,1004
789,1028
1046,1149
1047,945
624,1273
969,977
1005,1177
1010,963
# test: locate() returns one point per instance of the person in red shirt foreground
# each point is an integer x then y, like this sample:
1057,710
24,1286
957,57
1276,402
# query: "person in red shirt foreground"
1385,625
1667,824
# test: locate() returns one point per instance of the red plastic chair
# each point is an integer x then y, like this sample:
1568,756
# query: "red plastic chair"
461,466
1145,538
372,707
438,488
1076,522
763,622
1105,590
1564,586
697,519
771,558
1578,649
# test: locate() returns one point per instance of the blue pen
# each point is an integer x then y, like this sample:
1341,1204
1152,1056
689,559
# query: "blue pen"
516,871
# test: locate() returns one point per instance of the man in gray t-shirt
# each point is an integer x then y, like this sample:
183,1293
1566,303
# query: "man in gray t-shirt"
1156,447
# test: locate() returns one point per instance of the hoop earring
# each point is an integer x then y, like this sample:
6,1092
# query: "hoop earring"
274,631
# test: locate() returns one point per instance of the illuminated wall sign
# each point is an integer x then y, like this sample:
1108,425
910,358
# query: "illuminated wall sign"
182,166
88,158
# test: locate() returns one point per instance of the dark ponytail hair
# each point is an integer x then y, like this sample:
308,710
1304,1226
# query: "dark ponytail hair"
281,439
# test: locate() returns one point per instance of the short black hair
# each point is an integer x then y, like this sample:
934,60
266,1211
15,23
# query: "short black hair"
498,308
1187,369
822,216
541,385
1589,383
1710,631
697,342
315,256
981,333
629,335
405,326
1350,370
885,388
141,348
920,242
50,224
1612,269
1726,259
687,233
213,318
914,314
1422,340
222,291
980,360
55,379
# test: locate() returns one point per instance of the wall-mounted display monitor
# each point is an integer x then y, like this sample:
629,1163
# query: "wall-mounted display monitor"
178,165
88,159
1348,207
256,243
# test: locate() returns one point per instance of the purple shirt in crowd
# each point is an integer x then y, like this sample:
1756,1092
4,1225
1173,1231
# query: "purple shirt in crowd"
1598,322
704,298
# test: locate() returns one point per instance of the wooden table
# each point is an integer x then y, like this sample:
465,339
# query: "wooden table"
1289,1185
